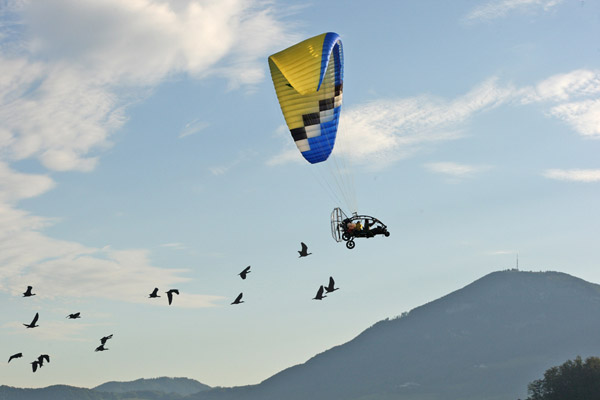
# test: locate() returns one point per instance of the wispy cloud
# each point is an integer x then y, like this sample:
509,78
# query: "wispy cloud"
577,94
15,186
64,94
174,246
456,170
381,132
193,127
68,71
501,8
244,155
582,116
67,269
574,175
502,252
563,87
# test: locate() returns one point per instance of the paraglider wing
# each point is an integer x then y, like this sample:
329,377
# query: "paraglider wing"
308,79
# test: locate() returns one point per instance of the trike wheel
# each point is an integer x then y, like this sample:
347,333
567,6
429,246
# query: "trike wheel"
350,244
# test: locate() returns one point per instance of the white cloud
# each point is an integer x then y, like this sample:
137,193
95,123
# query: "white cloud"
286,156
139,42
381,132
384,131
576,93
71,270
456,170
574,175
501,8
55,116
583,116
562,87
15,186
64,95
68,70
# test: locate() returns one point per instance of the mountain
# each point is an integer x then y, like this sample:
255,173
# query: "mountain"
56,392
486,341
181,386
141,389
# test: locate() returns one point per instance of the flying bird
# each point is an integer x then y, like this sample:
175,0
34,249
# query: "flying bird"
33,323
41,359
28,292
18,355
238,300
74,316
245,272
101,348
154,294
304,251
170,294
34,365
319,295
105,338
330,288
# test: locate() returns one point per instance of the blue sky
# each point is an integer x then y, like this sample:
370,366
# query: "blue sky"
142,146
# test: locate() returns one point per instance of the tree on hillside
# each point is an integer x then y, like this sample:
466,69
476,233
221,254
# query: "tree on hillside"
573,380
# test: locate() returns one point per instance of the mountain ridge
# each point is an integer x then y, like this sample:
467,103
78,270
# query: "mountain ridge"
484,341
508,323
181,386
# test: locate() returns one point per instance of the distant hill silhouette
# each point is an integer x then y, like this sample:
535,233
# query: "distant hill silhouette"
181,386
486,341
141,389
56,392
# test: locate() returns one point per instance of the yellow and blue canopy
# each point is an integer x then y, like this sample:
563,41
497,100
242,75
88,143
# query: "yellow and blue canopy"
308,79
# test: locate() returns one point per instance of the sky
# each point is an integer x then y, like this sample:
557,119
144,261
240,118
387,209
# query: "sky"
142,146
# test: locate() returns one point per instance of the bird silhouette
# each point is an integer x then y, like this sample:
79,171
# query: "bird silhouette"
28,292
101,348
33,323
74,316
238,300
170,294
245,272
18,355
303,252
41,359
330,288
319,295
105,338
34,365
154,294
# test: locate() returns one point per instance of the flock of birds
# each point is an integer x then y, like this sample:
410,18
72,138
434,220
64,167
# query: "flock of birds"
238,300
39,362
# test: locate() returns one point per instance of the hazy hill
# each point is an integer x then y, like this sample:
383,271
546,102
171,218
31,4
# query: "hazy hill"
182,386
56,392
141,389
487,340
